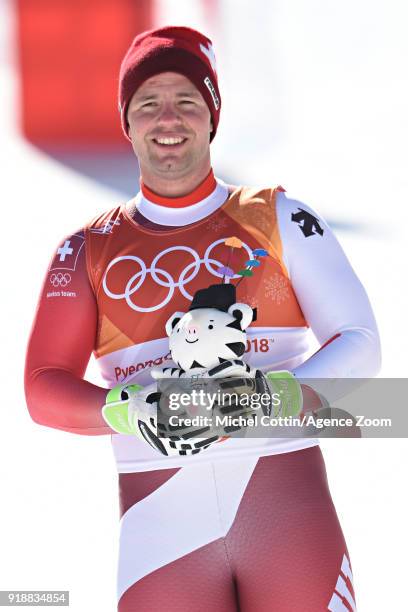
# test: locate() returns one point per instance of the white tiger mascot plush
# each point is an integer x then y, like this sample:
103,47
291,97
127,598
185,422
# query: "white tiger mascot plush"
210,333
207,344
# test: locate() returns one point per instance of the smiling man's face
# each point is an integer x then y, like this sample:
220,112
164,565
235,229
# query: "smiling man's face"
170,127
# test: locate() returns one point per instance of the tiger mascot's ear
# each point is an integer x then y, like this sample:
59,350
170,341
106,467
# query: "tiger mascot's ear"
243,313
172,322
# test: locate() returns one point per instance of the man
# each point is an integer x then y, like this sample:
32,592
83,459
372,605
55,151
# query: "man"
247,524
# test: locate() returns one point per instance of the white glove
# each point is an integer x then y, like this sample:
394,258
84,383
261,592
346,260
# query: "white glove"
132,410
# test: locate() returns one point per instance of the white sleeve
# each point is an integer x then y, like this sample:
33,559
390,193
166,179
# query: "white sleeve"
332,298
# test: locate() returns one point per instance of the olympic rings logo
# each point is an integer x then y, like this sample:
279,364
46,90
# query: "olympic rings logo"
60,279
162,277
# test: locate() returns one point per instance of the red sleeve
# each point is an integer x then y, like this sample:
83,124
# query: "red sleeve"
61,342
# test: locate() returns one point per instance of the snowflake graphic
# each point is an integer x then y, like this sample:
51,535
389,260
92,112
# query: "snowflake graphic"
214,225
261,218
277,288
251,300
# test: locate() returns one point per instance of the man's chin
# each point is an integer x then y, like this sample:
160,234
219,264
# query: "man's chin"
171,166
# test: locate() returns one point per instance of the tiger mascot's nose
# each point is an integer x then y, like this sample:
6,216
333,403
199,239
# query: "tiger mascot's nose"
192,330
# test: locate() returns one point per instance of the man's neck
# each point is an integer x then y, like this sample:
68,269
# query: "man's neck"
201,191
175,187
148,208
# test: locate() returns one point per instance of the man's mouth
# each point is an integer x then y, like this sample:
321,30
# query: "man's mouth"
169,141
192,341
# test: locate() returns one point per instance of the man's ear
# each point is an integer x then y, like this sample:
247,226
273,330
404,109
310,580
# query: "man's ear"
128,129
211,129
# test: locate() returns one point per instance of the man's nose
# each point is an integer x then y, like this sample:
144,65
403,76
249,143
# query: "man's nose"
168,113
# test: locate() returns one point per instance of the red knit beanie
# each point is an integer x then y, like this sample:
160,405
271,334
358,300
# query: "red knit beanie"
170,49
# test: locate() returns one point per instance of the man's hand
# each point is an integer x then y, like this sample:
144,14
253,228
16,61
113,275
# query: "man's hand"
286,393
228,387
133,410
115,410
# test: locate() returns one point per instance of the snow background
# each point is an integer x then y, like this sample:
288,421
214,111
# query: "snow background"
314,99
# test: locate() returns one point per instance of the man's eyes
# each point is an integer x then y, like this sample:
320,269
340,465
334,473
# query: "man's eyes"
153,104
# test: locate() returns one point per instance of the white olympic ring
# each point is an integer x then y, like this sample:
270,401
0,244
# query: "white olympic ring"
60,279
207,258
132,286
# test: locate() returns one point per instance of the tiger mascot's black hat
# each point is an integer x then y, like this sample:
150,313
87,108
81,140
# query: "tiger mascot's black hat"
220,296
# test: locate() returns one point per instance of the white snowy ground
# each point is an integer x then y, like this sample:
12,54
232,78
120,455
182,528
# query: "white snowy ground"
314,98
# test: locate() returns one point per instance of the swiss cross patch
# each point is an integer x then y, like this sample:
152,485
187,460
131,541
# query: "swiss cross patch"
67,253
210,55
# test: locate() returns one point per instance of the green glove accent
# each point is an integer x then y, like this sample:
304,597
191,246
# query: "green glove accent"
290,392
115,411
